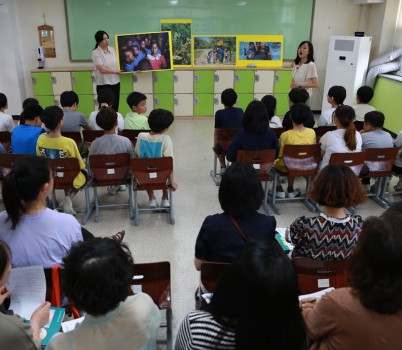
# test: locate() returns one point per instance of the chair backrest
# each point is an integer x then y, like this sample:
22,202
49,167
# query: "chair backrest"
225,137
90,135
358,125
261,160
75,135
132,134
110,169
64,171
302,160
380,160
314,275
354,160
154,279
151,173
7,160
278,131
5,139
321,130
211,272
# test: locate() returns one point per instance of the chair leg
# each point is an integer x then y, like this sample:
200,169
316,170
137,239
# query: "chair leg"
265,199
169,341
137,210
89,206
310,205
379,194
130,202
96,199
171,213
214,175
273,195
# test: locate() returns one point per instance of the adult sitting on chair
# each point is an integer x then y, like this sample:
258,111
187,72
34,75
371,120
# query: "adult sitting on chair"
332,234
97,275
368,315
222,236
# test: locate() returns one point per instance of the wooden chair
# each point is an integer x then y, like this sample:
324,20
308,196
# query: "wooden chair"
380,161
154,280
211,272
314,275
278,131
90,135
358,125
354,160
224,139
132,134
321,130
7,161
151,174
301,160
262,161
110,170
5,140
75,135
64,172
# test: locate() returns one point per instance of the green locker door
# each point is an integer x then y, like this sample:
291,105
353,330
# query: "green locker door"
86,105
165,101
126,83
163,82
244,81
243,100
82,83
203,105
283,79
45,101
42,84
123,106
282,104
204,82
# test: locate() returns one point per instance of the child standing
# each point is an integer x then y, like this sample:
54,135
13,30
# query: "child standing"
228,118
73,120
363,97
137,101
299,135
336,96
156,144
6,120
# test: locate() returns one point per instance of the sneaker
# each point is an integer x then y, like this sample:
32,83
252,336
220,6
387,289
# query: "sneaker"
398,186
112,190
223,169
280,194
122,188
165,203
68,206
294,194
153,204
119,236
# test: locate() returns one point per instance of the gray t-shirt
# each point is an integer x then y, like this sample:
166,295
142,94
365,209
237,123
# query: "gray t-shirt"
112,144
73,121
377,139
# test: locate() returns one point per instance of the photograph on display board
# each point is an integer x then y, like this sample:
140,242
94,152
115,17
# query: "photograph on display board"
144,51
260,50
214,50
181,40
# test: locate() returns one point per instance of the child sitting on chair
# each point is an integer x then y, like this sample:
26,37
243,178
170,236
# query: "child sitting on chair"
336,96
156,144
134,120
363,97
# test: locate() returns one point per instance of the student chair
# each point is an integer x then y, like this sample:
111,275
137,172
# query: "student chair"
321,130
380,161
7,161
154,280
314,275
75,135
262,161
132,134
301,160
358,125
110,170
151,174
90,135
278,131
64,171
5,140
224,139
211,272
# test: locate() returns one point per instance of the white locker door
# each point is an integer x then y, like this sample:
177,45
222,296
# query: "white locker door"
264,82
183,82
183,105
224,79
61,82
143,82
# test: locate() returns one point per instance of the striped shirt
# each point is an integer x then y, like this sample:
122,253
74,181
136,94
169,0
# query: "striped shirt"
199,331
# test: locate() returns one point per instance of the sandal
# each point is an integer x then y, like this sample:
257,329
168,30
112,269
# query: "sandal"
119,236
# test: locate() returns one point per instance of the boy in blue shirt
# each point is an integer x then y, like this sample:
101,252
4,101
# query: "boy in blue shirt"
228,118
25,136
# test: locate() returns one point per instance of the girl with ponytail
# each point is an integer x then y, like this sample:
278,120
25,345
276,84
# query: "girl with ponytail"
344,139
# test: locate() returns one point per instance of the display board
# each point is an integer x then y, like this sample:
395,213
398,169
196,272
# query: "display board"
290,18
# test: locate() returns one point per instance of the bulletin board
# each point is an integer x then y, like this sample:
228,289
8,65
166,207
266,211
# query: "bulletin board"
290,18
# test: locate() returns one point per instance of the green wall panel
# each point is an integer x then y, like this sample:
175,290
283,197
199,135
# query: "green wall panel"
42,84
163,82
243,100
244,81
282,83
82,82
165,101
204,82
203,105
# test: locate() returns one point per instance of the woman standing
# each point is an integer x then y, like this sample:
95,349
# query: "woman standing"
304,72
105,62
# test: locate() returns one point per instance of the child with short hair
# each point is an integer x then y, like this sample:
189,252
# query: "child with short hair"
363,97
299,135
228,118
297,95
270,103
137,101
110,142
73,120
106,98
372,134
156,144
336,96
25,136
6,120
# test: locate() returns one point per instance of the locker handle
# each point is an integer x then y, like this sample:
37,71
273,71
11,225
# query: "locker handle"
156,101
175,101
74,79
277,78
236,77
256,78
176,78
34,81
216,78
156,78
54,80
135,78
196,102
216,101
196,78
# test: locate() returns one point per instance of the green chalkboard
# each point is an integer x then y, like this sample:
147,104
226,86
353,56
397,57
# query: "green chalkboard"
290,18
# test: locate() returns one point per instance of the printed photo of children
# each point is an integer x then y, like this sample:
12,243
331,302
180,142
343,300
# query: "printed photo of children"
214,50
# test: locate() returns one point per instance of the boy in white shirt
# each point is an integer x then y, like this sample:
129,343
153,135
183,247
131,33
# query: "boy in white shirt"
363,97
6,120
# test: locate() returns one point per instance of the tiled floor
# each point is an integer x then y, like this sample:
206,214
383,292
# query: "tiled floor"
156,240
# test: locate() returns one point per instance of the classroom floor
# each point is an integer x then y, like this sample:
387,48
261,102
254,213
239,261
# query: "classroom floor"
197,196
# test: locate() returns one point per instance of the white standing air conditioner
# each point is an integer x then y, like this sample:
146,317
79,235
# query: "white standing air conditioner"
347,63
